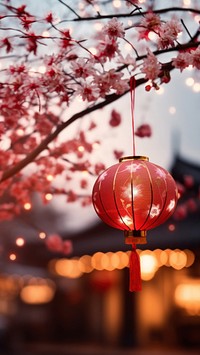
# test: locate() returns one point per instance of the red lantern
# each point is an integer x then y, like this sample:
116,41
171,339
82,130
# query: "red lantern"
135,196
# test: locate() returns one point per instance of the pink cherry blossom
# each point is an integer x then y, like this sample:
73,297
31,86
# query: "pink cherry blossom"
2,128
195,58
6,43
66,40
54,243
143,131
86,201
32,43
27,21
83,183
49,17
182,60
168,33
151,66
114,28
117,154
88,91
67,247
111,80
115,119
71,196
82,68
108,49
151,21
99,167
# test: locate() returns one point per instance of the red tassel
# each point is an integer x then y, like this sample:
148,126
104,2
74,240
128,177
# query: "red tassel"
135,283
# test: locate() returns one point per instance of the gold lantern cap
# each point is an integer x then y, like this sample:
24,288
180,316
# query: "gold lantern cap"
134,157
135,236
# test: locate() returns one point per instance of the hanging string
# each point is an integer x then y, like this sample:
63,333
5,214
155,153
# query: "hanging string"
132,92
135,282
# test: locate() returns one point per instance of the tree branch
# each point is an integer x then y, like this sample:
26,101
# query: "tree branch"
135,14
109,99
44,144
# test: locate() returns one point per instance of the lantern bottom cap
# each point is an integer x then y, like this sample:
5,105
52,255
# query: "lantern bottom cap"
135,236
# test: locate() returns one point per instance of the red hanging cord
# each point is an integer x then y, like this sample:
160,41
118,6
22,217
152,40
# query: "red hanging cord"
132,92
135,283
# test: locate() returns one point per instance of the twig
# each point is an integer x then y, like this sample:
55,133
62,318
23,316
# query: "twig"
186,29
69,7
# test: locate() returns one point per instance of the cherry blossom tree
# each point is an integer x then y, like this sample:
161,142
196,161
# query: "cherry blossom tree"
59,66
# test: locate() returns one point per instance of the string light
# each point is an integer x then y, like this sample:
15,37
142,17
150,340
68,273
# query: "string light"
149,265
190,257
20,241
48,197
68,268
42,235
187,296
189,81
84,264
27,206
20,132
178,259
12,256
151,261
93,50
196,87
186,3
163,257
42,69
46,34
49,177
98,26
117,4
152,36
81,148
197,18
38,291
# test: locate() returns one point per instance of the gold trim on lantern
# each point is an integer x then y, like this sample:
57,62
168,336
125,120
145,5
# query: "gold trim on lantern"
135,236
134,157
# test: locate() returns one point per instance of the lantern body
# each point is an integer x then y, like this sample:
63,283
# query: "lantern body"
135,195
